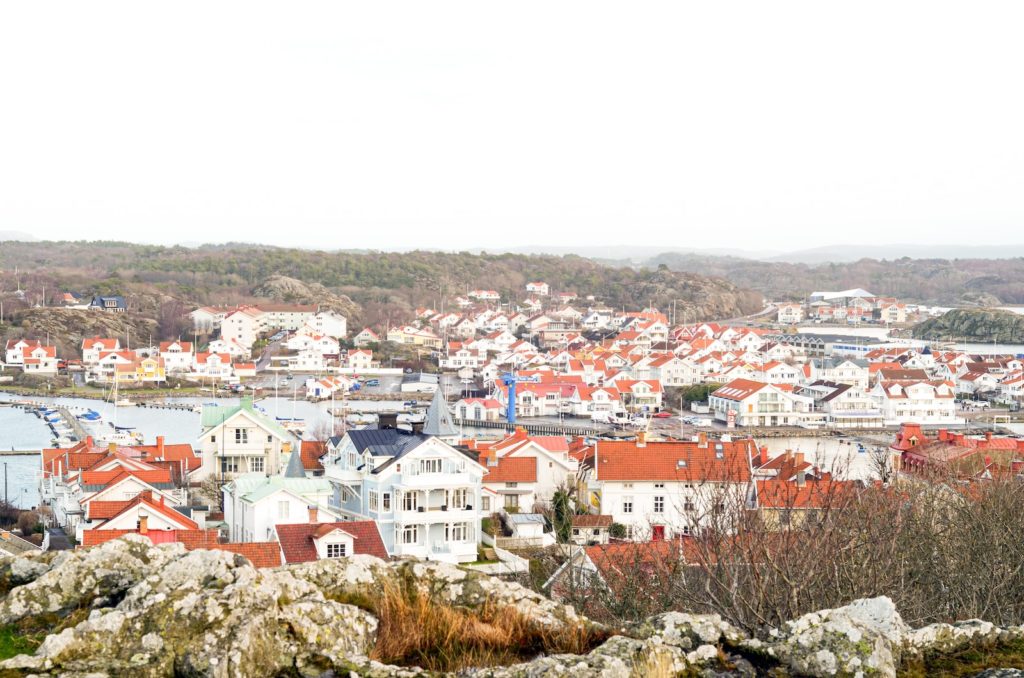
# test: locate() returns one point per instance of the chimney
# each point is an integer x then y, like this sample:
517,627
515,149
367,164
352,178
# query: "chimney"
492,458
988,436
801,478
702,440
943,435
314,513
799,458
789,455
160,446
89,442
111,447
143,523
762,457
641,439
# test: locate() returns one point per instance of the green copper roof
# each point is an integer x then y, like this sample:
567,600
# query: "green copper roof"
215,415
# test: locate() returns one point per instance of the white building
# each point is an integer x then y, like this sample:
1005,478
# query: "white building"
744,402
237,440
255,504
922,402
790,314
329,323
423,493
178,356
660,490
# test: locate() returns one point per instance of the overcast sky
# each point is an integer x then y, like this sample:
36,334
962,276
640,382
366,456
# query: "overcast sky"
760,125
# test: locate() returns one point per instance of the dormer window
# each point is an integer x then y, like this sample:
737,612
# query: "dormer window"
336,550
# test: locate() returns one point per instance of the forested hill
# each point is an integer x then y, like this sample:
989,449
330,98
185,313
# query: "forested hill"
380,282
985,282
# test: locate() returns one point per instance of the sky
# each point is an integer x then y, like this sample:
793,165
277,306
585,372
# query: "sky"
753,125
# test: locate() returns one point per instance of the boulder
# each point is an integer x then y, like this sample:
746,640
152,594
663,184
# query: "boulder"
863,638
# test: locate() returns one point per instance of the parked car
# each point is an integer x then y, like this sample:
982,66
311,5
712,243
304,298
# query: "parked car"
371,382
664,414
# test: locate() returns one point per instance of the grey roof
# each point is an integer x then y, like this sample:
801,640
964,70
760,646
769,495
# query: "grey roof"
836,361
439,420
384,442
525,518
295,468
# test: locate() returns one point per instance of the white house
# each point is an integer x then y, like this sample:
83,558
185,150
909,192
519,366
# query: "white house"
243,326
329,323
178,356
790,314
660,490
93,347
539,288
255,504
40,360
236,440
423,493
14,352
922,402
744,402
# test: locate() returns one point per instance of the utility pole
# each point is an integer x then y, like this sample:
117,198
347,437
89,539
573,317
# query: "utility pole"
5,484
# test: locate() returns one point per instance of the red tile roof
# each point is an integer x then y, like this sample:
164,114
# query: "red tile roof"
298,547
260,554
676,461
511,470
591,520
310,453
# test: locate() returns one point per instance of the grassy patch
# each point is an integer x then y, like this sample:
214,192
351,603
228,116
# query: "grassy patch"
13,642
967,662
417,630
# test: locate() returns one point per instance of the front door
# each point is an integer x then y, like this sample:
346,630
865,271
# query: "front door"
658,533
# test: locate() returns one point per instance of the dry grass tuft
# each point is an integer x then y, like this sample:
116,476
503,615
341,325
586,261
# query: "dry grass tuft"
416,630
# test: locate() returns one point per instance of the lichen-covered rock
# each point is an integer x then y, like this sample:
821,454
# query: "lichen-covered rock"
209,613
864,638
687,631
76,579
946,638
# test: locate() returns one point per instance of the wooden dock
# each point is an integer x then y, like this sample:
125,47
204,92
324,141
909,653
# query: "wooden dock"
19,453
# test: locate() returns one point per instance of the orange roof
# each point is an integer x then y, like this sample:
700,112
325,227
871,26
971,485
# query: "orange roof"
678,461
511,470
310,453
259,553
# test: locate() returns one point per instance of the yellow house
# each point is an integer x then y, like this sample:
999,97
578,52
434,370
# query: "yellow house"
142,371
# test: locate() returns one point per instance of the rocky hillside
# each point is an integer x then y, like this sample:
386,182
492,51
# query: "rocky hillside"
67,327
292,291
386,285
974,325
131,608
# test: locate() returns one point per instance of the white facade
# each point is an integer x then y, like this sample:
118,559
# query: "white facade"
425,498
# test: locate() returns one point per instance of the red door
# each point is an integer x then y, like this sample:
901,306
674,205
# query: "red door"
658,532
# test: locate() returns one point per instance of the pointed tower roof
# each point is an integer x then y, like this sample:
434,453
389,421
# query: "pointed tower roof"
439,420
295,468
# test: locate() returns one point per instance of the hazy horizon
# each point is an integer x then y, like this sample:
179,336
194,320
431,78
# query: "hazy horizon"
456,125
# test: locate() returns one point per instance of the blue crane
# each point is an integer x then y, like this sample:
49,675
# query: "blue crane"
510,379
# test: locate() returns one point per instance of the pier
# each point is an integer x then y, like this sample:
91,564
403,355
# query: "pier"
543,429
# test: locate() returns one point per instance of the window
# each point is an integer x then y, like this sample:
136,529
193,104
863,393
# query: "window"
241,436
627,504
485,503
688,504
387,502
512,484
430,466
410,534
458,499
213,439
270,439
456,531
282,510
410,500
373,501
228,465
256,464
659,486
659,504
576,531
336,550
511,501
